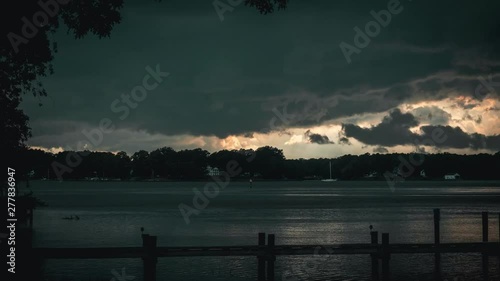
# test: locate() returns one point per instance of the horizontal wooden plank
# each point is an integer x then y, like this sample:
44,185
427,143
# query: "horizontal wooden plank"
89,253
339,249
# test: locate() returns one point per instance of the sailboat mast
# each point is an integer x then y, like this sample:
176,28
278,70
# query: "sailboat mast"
330,169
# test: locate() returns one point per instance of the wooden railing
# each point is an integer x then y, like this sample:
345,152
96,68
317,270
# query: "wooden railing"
266,253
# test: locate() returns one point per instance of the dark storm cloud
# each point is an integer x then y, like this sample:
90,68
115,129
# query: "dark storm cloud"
317,138
457,138
226,76
395,130
344,140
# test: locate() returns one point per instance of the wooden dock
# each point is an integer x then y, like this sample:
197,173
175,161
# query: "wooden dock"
266,253
280,250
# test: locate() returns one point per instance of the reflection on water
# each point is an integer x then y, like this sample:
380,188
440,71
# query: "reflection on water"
111,214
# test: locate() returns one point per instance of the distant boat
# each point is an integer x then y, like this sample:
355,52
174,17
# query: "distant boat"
330,179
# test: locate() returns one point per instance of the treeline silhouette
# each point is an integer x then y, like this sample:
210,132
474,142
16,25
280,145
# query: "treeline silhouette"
264,163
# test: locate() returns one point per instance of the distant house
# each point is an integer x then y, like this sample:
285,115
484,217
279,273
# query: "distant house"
212,171
454,176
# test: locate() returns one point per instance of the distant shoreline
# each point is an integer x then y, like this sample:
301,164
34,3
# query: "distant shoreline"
266,180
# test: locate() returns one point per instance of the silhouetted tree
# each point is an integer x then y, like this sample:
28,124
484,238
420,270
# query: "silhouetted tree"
141,164
123,165
163,162
269,162
221,158
192,164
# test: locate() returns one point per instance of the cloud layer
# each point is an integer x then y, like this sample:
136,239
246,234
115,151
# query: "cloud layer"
269,74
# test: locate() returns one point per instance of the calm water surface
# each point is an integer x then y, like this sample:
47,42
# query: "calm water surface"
309,212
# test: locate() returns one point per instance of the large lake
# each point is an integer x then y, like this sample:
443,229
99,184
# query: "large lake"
308,212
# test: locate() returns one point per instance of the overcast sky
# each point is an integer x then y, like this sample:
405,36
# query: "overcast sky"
282,79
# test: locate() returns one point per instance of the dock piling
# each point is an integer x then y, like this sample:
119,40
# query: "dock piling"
261,262
149,259
386,256
437,239
374,257
485,258
437,219
485,226
271,257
